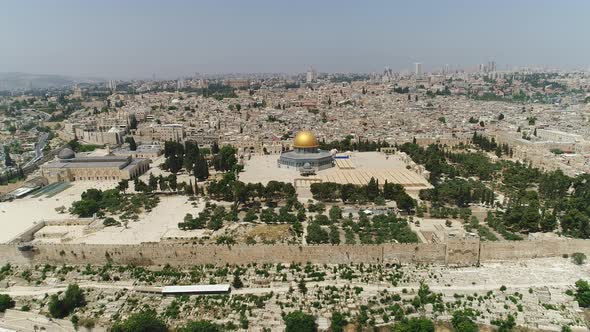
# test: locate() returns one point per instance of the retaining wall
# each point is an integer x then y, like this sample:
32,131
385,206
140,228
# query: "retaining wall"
462,252
511,250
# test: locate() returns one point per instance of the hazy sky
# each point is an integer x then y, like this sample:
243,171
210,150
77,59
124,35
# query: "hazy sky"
136,38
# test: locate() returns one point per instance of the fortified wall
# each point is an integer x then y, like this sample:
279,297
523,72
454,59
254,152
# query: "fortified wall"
461,253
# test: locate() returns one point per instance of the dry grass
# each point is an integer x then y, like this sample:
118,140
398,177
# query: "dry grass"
270,232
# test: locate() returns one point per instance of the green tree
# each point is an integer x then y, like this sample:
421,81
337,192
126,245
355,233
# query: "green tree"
582,293
132,122
334,235
373,189
226,159
405,202
316,234
72,299
576,223
200,326
153,182
201,170
6,302
338,322
463,321
505,325
172,182
415,324
123,185
162,183
145,321
298,321
7,160
131,141
237,282
548,222
85,208
335,213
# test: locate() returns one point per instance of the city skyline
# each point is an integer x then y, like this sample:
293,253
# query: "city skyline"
138,40
296,166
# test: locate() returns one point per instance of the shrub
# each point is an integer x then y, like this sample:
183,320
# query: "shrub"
200,326
146,321
583,293
578,258
415,324
110,222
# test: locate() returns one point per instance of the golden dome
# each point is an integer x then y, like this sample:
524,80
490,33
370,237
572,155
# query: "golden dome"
305,139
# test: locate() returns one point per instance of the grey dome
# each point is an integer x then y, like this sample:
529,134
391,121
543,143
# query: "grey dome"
307,166
66,153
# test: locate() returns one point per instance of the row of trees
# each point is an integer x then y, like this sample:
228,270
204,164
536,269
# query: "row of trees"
12,175
149,321
231,190
192,159
95,201
536,200
187,156
163,183
371,192
347,144
459,192
488,145
433,159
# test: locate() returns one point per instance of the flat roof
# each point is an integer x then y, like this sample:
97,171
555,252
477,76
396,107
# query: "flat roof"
220,288
23,191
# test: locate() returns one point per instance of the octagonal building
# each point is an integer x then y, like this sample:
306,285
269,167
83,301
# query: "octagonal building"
306,155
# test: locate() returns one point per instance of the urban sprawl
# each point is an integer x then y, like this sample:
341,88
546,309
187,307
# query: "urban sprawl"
451,200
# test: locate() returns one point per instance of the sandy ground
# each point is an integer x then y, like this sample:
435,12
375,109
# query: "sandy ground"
149,228
20,214
182,176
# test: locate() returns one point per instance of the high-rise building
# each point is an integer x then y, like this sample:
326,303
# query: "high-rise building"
446,69
387,75
112,85
491,66
311,75
418,70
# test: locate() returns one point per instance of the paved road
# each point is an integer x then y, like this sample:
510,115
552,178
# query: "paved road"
41,143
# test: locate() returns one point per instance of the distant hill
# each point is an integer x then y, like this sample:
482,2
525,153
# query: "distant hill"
25,81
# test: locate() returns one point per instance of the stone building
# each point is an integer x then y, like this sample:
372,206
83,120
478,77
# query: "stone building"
161,133
113,136
69,168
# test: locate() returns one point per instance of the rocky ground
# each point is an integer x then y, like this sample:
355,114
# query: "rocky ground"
534,291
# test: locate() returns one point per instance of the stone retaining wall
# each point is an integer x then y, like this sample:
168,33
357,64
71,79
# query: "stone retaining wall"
463,253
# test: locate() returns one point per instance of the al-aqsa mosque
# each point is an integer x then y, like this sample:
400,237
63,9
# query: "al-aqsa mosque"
306,155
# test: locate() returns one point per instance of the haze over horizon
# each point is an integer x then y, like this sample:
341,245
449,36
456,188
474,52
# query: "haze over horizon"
136,39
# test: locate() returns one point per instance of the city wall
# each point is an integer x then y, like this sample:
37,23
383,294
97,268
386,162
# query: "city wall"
461,253
513,250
